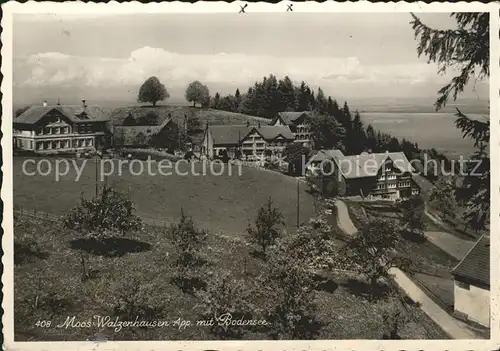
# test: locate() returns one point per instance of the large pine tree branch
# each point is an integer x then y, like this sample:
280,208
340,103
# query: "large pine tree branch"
466,48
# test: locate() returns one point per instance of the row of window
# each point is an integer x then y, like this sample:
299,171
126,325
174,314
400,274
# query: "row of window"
389,177
64,144
304,137
82,129
262,144
55,130
381,186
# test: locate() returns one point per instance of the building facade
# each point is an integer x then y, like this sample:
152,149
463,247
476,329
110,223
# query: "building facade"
299,124
53,129
245,140
386,175
472,284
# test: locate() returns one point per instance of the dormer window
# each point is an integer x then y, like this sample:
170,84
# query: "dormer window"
83,115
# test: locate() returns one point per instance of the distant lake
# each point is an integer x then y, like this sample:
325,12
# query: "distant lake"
429,130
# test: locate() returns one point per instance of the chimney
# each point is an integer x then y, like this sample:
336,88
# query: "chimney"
248,123
58,102
259,124
45,103
84,104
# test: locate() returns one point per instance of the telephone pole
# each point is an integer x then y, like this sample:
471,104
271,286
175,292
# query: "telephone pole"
298,202
96,179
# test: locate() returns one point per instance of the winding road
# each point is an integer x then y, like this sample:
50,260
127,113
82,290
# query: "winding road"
451,326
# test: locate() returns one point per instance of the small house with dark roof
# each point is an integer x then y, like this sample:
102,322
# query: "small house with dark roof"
248,139
472,284
386,175
299,124
61,128
137,136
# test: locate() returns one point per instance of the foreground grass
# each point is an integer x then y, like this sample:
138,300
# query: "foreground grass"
220,203
344,311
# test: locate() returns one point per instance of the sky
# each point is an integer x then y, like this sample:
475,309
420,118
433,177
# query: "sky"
350,55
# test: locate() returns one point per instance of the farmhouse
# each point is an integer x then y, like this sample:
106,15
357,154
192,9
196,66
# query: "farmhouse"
472,284
387,175
249,140
54,129
139,136
299,124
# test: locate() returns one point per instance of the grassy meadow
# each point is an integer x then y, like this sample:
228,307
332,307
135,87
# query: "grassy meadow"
221,204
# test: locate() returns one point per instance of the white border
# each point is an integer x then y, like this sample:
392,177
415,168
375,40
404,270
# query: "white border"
92,9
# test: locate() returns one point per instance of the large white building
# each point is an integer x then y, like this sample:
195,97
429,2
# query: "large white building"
60,128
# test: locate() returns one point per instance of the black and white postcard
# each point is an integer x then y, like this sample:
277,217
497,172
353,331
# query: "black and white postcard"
250,176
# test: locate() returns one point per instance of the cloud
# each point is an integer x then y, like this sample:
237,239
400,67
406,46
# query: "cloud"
176,70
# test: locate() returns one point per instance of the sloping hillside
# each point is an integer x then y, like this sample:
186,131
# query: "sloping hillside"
214,117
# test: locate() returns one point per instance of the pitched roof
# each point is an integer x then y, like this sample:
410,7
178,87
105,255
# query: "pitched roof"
475,265
35,113
133,135
322,155
290,117
229,134
93,112
364,165
272,132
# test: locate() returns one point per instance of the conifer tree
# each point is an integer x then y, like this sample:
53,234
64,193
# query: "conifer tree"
466,49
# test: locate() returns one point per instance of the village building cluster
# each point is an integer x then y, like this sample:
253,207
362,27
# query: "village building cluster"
59,128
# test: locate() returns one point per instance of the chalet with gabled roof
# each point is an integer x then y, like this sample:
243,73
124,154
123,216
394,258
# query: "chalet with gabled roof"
246,139
299,124
386,175
61,128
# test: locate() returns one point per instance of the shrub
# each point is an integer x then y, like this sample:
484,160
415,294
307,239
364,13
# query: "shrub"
136,298
225,295
187,241
413,213
372,251
107,215
394,317
290,297
267,226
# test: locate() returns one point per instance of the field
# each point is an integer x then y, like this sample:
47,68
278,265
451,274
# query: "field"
225,203
178,112
54,276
